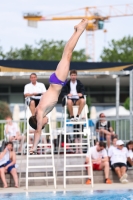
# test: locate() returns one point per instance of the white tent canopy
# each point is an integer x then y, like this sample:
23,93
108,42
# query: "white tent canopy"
16,113
112,112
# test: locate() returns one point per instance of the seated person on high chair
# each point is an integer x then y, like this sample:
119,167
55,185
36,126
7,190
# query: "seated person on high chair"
33,92
74,90
12,132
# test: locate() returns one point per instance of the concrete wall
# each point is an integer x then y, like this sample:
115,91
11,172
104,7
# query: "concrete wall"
98,175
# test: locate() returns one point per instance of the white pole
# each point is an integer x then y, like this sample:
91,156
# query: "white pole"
131,103
52,150
117,103
65,146
88,141
27,163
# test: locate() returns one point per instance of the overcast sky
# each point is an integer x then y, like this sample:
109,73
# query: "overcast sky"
14,31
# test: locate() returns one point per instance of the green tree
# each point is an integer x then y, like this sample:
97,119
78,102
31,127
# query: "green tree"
43,50
126,103
119,51
4,110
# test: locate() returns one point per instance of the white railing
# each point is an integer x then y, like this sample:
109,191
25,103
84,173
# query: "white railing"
124,134
80,122
28,166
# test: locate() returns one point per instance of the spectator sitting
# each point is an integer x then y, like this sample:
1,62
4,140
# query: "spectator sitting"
7,164
103,127
74,90
118,157
114,140
99,160
12,131
110,149
34,90
10,164
4,157
129,146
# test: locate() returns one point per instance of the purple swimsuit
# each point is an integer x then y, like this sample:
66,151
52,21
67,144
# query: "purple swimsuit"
54,80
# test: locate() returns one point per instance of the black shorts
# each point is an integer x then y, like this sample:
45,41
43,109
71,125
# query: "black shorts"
75,100
35,100
119,165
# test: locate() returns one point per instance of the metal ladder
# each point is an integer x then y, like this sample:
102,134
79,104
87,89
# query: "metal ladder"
86,131
43,157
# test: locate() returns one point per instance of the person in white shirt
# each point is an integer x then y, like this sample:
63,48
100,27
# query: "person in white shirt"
74,90
10,165
7,164
129,146
4,157
33,92
118,157
12,131
99,160
114,140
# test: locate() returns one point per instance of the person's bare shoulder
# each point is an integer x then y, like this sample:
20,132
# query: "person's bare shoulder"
12,154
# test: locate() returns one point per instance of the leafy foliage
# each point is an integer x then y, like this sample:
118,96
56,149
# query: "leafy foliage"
119,51
126,103
4,110
43,50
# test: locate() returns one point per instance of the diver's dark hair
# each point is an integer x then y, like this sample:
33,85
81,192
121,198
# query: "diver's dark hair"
33,122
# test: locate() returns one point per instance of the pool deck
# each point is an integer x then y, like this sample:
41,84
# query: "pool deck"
79,187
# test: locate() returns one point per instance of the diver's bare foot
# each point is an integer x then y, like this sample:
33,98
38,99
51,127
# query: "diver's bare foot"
5,186
32,152
82,25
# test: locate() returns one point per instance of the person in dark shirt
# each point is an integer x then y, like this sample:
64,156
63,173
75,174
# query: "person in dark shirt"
74,90
103,127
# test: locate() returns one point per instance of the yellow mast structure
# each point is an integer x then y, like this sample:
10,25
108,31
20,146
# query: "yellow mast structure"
96,17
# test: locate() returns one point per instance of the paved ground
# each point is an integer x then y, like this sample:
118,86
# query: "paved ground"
114,186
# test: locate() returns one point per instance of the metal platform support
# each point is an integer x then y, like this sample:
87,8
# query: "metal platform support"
80,122
42,157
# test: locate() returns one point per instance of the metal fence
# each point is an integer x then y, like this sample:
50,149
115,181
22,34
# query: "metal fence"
120,125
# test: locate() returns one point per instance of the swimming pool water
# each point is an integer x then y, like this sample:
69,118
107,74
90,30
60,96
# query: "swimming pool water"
84,195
